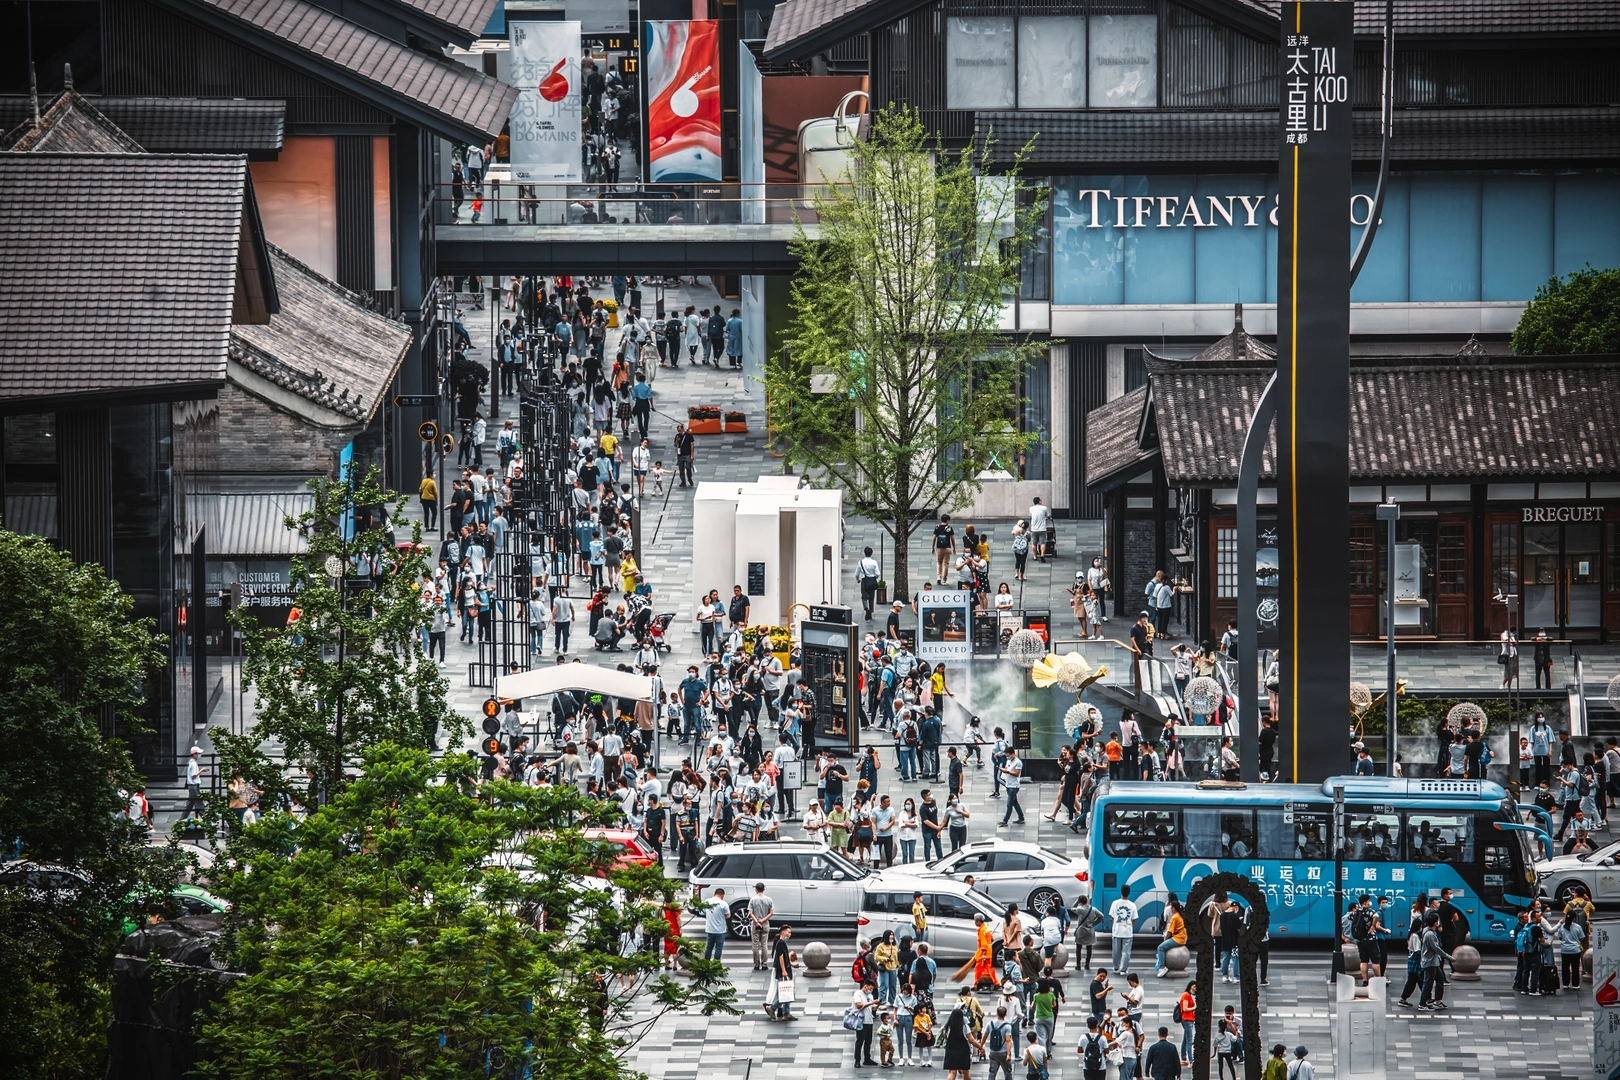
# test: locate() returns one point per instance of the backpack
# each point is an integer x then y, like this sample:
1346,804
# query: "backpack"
911,733
1361,924
1583,786
857,970
1020,543
998,1038
1094,1061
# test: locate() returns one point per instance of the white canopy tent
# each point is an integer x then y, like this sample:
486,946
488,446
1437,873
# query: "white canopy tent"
549,680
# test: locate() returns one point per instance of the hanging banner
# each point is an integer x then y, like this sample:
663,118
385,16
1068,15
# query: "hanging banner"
1605,1000
944,618
683,87
546,115
1267,569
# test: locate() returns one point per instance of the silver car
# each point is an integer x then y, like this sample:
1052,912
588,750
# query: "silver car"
807,883
952,932
1596,873
1014,872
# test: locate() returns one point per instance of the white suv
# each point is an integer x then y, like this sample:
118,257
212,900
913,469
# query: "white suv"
806,881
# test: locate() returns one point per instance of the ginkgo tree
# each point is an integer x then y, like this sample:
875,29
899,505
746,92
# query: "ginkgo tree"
895,380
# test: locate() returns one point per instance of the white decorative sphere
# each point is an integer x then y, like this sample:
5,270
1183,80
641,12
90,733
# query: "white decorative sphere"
1025,648
1466,714
1360,696
1202,696
333,566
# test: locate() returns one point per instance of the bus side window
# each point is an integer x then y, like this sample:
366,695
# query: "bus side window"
1440,837
1372,837
1142,833
1218,834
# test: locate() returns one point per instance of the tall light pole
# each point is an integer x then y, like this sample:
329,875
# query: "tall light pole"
1389,513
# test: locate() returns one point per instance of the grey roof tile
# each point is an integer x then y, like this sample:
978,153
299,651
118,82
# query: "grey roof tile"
325,344
180,125
158,235
70,124
1467,417
1111,449
468,100
1473,17
470,16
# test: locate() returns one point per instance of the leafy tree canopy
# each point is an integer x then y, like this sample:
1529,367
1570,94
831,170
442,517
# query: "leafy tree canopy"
895,381
418,927
71,652
1579,313
349,673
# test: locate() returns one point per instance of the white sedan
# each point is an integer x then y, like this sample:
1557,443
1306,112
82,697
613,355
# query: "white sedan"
1014,872
1597,873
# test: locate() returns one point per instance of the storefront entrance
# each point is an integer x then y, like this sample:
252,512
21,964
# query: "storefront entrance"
1563,579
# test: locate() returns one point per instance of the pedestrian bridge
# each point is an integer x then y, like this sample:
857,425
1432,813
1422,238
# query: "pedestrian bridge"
504,228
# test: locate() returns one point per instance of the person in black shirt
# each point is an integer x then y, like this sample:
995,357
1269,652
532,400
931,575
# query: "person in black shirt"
1268,746
738,611
1453,923
685,450
928,817
893,624
944,547
1141,645
954,774
782,970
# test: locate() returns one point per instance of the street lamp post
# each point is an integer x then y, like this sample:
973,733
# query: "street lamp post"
1389,513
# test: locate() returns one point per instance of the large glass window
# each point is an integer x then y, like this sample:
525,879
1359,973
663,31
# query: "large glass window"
1295,834
1218,834
28,452
1505,559
1038,417
1142,833
1440,838
1614,557
1124,61
979,57
1362,557
1051,68
1372,837
1452,570
1226,584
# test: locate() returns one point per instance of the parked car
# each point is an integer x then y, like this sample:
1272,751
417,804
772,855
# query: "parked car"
633,850
1596,873
1014,872
808,882
184,901
952,934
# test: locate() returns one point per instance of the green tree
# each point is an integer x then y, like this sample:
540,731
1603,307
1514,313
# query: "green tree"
1579,313
349,673
72,652
428,928
895,381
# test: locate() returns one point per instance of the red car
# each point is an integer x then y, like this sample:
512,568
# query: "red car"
633,849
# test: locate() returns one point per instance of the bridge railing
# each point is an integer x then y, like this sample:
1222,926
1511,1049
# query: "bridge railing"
500,201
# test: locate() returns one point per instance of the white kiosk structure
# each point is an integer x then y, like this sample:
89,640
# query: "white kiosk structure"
781,542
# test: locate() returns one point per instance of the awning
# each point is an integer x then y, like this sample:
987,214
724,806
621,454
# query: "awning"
549,680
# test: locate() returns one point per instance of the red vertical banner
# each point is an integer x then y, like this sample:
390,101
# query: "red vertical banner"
683,91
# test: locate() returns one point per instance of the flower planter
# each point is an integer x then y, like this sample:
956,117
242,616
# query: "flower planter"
737,427
703,427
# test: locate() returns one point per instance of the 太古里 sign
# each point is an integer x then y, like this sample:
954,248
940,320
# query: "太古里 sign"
1562,513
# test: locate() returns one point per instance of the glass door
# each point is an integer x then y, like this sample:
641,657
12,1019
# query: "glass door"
1583,577
1563,578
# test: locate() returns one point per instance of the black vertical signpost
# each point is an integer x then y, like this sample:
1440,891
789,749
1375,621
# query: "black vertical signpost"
1313,363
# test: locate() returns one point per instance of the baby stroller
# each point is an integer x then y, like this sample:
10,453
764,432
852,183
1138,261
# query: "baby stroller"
657,631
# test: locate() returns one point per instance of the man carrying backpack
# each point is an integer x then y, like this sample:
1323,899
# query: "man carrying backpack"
1093,1052
999,1038
1362,921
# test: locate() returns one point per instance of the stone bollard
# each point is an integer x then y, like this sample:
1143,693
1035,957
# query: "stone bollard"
1586,965
1176,959
1465,963
816,956
1352,958
1060,962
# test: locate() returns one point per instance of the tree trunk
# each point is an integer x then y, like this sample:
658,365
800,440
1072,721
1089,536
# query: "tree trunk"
902,561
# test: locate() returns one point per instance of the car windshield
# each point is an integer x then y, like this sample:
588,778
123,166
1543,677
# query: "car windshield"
1608,851
851,871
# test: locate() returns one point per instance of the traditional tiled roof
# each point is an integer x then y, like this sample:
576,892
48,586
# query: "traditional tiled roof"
325,345
1465,417
1540,135
446,97
69,125
1112,452
802,28
468,16
167,241
182,125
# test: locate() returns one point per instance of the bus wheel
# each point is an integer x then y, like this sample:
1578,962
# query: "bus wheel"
1042,900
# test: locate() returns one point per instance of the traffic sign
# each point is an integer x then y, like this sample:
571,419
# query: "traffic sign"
492,707
447,443
428,432
492,746
406,401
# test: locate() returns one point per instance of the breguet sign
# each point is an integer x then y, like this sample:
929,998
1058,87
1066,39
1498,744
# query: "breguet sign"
1562,513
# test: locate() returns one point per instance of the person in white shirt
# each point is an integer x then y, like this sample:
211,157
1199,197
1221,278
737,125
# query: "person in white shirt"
1040,526
1123,914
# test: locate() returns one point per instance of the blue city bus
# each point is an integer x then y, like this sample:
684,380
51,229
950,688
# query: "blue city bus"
1403,838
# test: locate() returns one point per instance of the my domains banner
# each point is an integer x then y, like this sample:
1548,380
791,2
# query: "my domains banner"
546,115
683,87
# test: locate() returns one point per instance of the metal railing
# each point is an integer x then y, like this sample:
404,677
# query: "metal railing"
498,201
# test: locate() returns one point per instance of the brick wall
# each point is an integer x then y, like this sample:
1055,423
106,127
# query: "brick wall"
257,437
